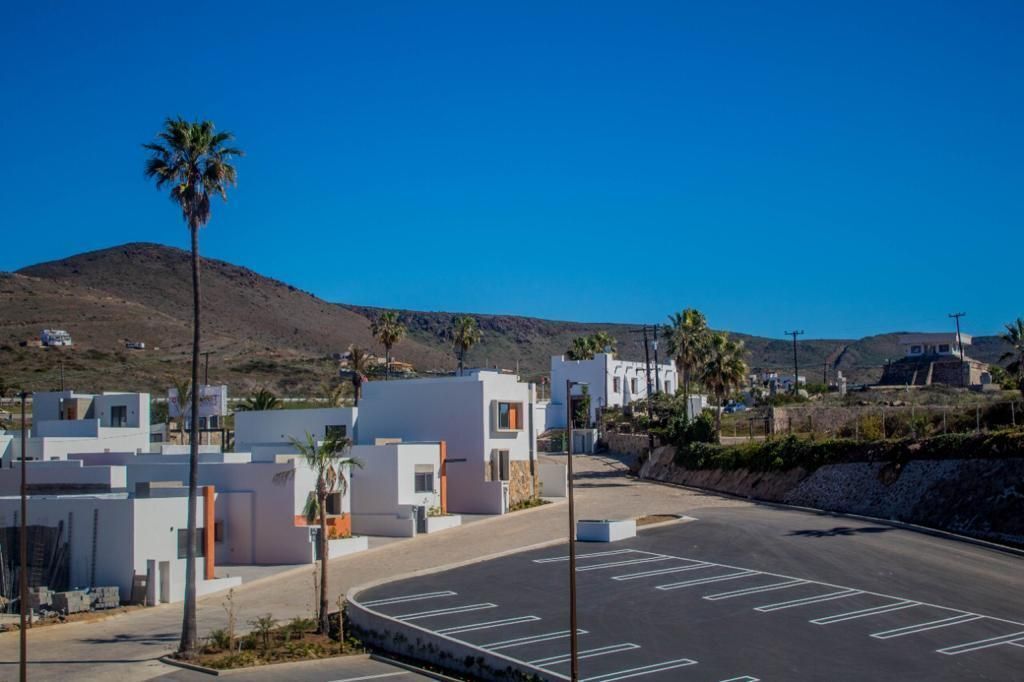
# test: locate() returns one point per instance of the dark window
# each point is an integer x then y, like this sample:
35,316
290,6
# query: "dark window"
616,384
183,542
334,504
499,465
119,415
424,482
335,431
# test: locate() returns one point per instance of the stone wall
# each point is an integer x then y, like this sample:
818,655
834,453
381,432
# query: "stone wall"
982,498
520,483
635,444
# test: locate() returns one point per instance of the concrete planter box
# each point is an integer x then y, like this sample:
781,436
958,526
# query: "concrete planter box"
604,530
436,523
343,546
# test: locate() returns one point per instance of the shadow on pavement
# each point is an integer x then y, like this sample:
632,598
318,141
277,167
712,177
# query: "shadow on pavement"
839,531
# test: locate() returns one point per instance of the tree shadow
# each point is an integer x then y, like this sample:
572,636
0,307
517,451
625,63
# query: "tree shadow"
839,531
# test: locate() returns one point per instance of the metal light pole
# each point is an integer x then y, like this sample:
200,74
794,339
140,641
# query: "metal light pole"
960,343
23,554
796,366
574,673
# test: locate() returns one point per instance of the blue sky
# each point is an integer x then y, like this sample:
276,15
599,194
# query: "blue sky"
844,168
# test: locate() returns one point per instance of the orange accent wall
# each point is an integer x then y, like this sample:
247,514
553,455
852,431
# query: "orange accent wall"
341,524
444,477
208,531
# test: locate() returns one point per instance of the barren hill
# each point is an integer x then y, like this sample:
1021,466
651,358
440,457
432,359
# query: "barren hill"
261,331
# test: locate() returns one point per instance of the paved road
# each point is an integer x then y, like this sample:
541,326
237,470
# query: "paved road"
127,647
347,669
747,593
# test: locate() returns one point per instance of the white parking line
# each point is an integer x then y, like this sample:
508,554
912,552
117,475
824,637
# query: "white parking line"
930,625
373,677
745,678
704,581
532,639
982,644
841,594
410,597
864,613
643,670
754,590
627,562
487,625
662,571
586,653
586,556
445,612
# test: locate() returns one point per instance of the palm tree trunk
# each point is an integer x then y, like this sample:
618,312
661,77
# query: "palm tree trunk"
188,623
355,389
387,363
718,418
325,626
462,355
686,392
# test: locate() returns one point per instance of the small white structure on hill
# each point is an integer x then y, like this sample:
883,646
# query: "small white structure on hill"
55,337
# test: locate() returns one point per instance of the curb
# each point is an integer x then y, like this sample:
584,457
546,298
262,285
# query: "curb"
924,530
412,668
167,660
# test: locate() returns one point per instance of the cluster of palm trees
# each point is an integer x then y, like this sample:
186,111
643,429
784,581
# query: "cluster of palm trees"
1015,337
702,356
586,347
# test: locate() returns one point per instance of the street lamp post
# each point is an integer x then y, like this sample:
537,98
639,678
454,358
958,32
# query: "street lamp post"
23,555
574,673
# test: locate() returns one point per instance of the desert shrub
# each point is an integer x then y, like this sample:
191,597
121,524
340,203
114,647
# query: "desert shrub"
218,640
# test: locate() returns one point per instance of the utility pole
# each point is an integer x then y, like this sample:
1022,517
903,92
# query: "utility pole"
23,553
574,674
61,376
796,365
650,405
959,342
657,377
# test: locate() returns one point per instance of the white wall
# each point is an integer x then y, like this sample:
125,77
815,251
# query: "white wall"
384,488
553,478
599,373
66,472
269,432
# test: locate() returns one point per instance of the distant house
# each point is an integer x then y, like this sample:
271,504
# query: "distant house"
935,358
55,337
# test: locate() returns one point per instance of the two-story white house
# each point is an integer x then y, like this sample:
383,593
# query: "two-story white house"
484,419
610,382
268,433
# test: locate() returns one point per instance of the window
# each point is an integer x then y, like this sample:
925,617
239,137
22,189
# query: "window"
943,347
334,504
632,386
499,465
214,422
668,387
510,416
616,384
335,431
119,416
218,531
424,478
183,542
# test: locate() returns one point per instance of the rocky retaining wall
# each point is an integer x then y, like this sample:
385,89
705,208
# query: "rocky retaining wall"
982,498
635,444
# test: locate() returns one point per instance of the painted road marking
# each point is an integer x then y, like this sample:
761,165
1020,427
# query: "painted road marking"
532,639
373,677
704,581
411,597
585,556
864,613
662,571
982,644
586,653
829,596
487,625
643,670
755,590
627,562
445,612
745,678
930,625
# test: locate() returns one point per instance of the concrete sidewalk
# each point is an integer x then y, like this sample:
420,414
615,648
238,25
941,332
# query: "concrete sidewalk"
127,647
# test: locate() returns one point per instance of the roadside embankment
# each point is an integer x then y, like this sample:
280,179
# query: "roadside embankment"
972,485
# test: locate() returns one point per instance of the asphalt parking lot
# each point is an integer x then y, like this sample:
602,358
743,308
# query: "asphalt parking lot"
741,595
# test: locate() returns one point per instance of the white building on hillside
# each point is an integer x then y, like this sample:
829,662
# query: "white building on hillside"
65,422
610,383
484,419
269,433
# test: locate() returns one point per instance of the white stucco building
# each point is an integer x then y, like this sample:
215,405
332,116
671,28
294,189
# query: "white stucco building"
269,433
610,383
484,419
66,423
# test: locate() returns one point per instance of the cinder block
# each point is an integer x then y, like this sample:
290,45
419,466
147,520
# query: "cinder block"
73,601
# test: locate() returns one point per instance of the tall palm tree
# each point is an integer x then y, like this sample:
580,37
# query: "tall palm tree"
389,331
465,334
687,338
183,387
194,161
328,459
359,365
261,399
581,348
603,341
1015,337
723,371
